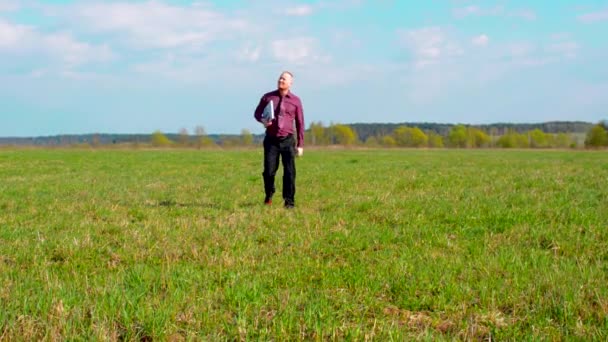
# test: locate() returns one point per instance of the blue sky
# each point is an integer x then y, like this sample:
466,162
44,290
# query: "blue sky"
70,67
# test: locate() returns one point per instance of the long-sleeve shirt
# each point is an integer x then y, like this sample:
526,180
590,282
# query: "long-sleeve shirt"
287,109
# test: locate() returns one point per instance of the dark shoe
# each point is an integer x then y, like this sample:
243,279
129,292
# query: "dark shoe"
289,206
268,201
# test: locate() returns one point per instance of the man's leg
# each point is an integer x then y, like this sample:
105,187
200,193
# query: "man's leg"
288,153
271,164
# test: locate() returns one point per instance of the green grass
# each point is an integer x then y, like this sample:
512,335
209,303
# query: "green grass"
382,245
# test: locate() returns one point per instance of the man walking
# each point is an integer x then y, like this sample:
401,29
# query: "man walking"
282,139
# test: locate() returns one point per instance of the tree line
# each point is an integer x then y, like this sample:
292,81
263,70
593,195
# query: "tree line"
411,135
597,136
365,130
456,136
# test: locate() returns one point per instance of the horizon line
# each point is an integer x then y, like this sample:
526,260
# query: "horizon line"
334,123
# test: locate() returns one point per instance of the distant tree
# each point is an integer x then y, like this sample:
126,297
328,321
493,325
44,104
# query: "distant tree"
410,137
344,135
365,130
505,141
550,139
317,134
202,140
329,134
231,141
199,132
135,143
371,141
388,141
458,136
477,138
418,138
493,135
160,140
563,140
184,138
538,139
95,141
246,137
402,135
513,140
435,140
597,137
64,140
521,140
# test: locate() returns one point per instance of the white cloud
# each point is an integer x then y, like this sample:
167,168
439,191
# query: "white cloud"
208,71
430,45
524,14
8,6
520,49
85,76
528,54
250,53
466,11
59,46
463,12
439,48
11,35
561,36
323,75
73,52
535,61
568,49
426,42
154,24
563,45
341,5
301,50
481,40
453,49
594,16
143,30
300,11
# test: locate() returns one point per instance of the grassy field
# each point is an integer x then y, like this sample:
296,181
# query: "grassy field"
382,245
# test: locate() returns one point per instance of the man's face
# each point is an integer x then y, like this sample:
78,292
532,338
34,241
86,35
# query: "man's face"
284,82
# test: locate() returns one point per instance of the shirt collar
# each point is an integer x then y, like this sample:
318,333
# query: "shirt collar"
278,93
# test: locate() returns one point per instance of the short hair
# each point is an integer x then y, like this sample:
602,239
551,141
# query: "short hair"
288,73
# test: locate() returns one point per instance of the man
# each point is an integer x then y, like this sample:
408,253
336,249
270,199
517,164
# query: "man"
281,138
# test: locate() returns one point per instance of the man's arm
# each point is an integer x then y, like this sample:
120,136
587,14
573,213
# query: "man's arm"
257,114
300,125
259,110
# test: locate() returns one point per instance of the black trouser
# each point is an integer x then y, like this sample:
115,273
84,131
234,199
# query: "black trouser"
285,147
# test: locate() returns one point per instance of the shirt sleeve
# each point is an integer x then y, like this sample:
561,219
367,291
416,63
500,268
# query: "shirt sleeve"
300,124
257,114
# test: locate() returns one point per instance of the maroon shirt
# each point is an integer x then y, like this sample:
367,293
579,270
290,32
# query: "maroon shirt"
286,111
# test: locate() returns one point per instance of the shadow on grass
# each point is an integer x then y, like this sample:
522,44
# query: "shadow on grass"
204,205
175,204
250,204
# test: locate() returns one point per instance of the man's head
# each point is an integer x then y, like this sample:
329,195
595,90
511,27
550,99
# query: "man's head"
284,81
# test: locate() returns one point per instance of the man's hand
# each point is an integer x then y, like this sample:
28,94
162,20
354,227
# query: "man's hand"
300,151
267,123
